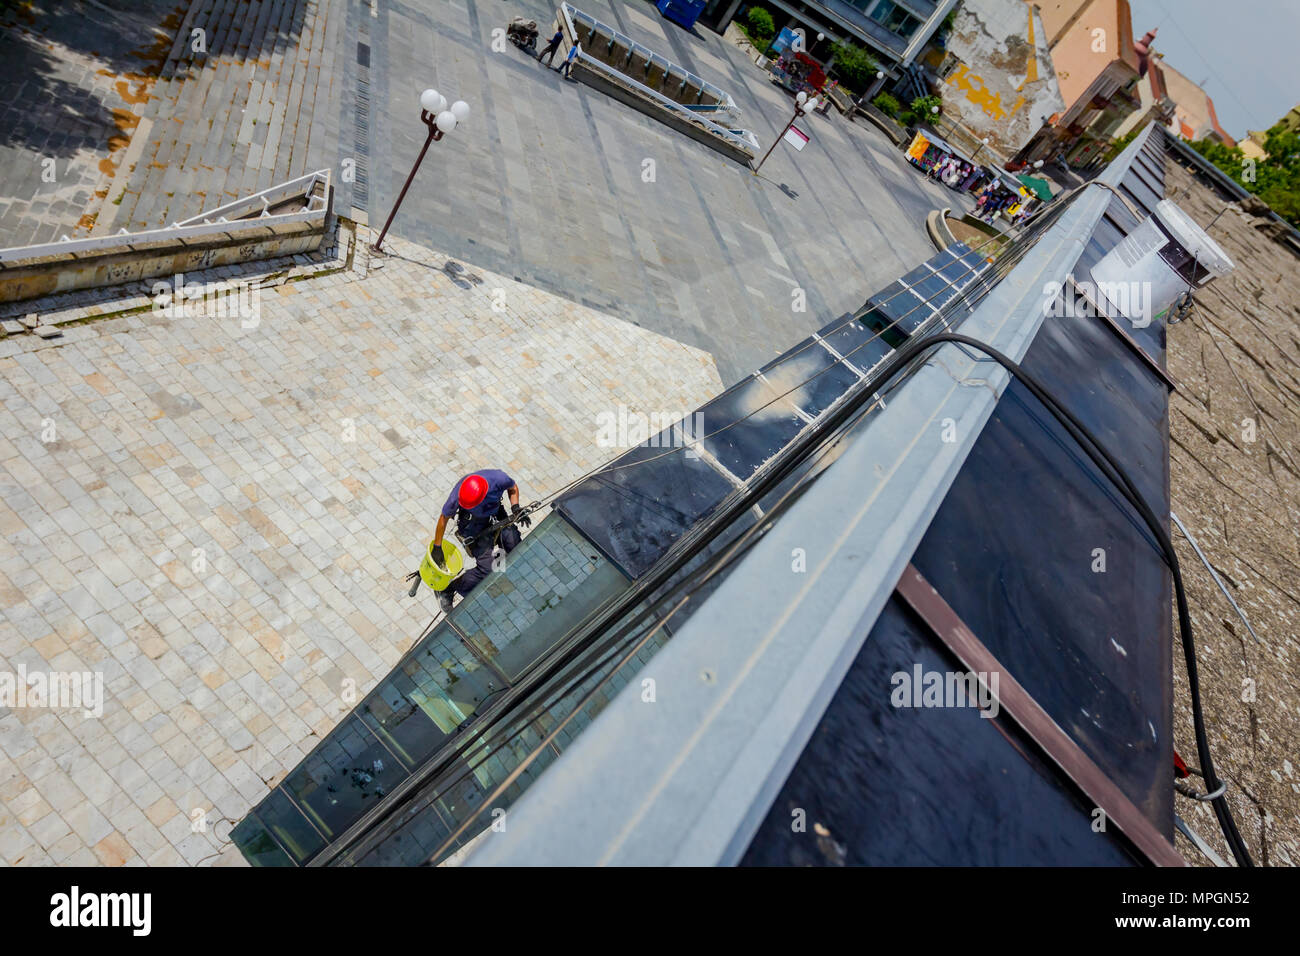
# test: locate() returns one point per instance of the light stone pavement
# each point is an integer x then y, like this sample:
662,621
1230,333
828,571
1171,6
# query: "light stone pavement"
193,443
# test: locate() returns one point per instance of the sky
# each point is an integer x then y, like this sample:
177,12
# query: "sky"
1243,52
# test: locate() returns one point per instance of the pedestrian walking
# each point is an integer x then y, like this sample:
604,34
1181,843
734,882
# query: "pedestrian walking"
567,65
551,48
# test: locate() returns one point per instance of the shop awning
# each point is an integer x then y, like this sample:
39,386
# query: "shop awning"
946,147
1037,186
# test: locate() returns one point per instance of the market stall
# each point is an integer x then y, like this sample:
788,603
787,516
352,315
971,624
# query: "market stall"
942,161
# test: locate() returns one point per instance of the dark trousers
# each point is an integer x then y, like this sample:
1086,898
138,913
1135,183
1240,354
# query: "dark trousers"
548,52
481,552
565,67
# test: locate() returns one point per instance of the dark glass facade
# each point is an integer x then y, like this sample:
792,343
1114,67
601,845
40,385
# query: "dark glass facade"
1053,570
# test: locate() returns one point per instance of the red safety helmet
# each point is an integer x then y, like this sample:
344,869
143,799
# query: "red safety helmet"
472,491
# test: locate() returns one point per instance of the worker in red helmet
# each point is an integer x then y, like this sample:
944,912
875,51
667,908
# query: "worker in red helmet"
475,503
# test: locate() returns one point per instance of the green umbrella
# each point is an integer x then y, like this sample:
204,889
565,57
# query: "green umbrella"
1037,186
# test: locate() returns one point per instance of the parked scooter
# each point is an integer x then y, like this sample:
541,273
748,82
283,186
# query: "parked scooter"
522,32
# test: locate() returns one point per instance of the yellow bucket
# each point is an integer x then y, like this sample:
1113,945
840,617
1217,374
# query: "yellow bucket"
434,576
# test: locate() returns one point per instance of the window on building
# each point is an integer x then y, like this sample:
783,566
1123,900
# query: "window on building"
894,18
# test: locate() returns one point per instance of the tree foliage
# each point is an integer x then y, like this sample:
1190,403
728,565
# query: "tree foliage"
1275,180
919,111
761,26
854,65
886,104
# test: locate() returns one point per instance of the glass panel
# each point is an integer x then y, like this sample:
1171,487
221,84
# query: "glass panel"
257,844
1118,213
436,688
1093,253
890,335
929,786
344,777
808,362
1093,649
858,342
453,798
1154,171
1145,194
1139,173
769,423
901,307
637,508
961,266
1107,233
930,287
290,827
549,583
1144,207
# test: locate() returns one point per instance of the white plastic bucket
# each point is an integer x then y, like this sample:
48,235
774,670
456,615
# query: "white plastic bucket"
1167,254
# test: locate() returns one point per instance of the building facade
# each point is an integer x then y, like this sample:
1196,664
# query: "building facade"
1098,70
998,80
1153,94
1194,117
894,31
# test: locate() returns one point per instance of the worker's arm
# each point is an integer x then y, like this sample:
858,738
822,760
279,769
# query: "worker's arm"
515,511
437,542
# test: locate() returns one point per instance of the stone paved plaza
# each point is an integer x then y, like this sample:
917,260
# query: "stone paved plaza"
72,93
547,181
219,519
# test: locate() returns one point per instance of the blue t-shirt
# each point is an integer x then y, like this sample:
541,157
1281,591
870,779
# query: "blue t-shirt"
498,484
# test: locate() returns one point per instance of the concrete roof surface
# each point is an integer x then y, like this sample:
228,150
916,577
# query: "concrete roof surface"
1237,361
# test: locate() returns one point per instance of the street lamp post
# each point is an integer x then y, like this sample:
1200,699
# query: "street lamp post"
800,100
441,119
872,90
984,142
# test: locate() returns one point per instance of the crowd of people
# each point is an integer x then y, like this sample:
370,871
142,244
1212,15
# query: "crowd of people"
994,195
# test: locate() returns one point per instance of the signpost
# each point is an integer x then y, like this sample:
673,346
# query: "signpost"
796,137
800,102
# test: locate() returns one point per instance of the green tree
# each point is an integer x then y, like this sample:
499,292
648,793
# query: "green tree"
886,104
854,65
919,111
1275,180
923,105
761,28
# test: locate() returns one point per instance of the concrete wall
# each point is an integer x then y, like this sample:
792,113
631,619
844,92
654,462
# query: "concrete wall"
233,233
48,270
1004,86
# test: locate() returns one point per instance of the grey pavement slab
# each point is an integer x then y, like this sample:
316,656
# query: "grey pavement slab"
546,182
